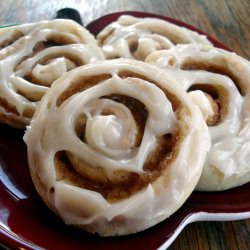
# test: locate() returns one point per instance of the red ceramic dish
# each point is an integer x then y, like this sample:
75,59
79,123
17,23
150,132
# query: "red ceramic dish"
26,223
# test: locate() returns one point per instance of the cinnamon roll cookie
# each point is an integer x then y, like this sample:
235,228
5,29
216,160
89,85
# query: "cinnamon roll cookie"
32,56
131,37
219,82
116,146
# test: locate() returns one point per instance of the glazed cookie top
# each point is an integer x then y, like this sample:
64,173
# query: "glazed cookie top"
222,78
126,135
32,57
131,37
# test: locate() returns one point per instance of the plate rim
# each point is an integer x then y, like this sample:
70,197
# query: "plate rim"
202,217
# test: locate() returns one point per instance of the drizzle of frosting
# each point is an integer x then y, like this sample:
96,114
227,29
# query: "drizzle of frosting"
108,145
131,37
99,127
199,98
226,165
20,59
52,70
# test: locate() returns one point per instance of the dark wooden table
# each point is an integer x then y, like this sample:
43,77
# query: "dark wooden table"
226,20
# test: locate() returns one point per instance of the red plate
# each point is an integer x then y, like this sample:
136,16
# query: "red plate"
25,222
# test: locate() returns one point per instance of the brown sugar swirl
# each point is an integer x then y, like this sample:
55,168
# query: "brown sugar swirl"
111,136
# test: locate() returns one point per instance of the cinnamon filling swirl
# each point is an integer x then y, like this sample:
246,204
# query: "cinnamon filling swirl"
10,39
120,184
217,99
219,66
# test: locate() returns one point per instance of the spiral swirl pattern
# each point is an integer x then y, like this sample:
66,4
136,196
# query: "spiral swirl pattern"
110,137
35,55
131,37
218,82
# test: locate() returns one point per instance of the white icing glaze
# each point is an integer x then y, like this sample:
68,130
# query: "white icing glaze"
63,26
52,70
198,97
109,139
131,37
20,59
227,162
160,121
